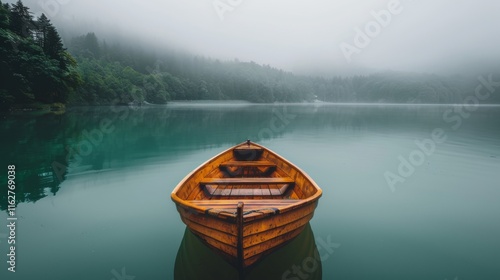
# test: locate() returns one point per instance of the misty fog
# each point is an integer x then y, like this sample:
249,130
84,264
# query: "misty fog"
307,37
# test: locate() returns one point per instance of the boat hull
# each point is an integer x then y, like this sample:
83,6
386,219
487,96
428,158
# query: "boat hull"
193,253
260,237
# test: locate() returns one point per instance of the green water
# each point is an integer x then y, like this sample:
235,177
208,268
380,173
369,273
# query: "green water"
93,191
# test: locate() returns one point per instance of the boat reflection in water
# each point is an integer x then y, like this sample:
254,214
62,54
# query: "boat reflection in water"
299,259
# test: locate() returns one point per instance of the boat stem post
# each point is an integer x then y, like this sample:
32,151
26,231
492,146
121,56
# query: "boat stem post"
239,224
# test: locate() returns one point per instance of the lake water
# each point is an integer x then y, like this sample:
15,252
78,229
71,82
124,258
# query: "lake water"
93,189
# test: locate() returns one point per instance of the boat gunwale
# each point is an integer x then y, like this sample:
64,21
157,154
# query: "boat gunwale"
303,202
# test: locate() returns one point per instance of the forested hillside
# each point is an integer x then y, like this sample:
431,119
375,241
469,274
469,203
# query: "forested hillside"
113,71
37,69
34,66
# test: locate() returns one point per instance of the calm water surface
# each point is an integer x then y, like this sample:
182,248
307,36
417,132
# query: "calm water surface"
93,189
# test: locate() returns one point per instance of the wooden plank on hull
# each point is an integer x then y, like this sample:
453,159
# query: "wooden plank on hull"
230,250
216,234
263,247
263,236
208,221
278,220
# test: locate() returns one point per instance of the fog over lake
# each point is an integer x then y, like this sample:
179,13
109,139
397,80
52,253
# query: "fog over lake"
305,37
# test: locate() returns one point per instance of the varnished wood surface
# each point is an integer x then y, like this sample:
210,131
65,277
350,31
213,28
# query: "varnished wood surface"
259,163
277,200
247,181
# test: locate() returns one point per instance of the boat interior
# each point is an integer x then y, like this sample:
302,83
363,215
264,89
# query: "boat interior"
250,174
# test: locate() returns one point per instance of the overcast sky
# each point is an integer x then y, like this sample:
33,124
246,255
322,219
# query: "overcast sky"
313,35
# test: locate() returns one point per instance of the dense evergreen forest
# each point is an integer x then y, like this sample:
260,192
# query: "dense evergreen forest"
115,72
34,66
37,69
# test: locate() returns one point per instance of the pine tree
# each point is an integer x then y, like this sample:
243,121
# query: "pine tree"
4,15
92,44
21,21
42,26
53,46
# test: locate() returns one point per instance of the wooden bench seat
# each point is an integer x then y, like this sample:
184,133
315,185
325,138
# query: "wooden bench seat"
247,181
248,203
248,168
218,191
259,163
252,209
246,187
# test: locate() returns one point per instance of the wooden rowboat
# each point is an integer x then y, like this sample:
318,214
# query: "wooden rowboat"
245,202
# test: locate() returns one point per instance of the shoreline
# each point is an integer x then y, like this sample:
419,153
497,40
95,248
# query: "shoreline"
58,108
